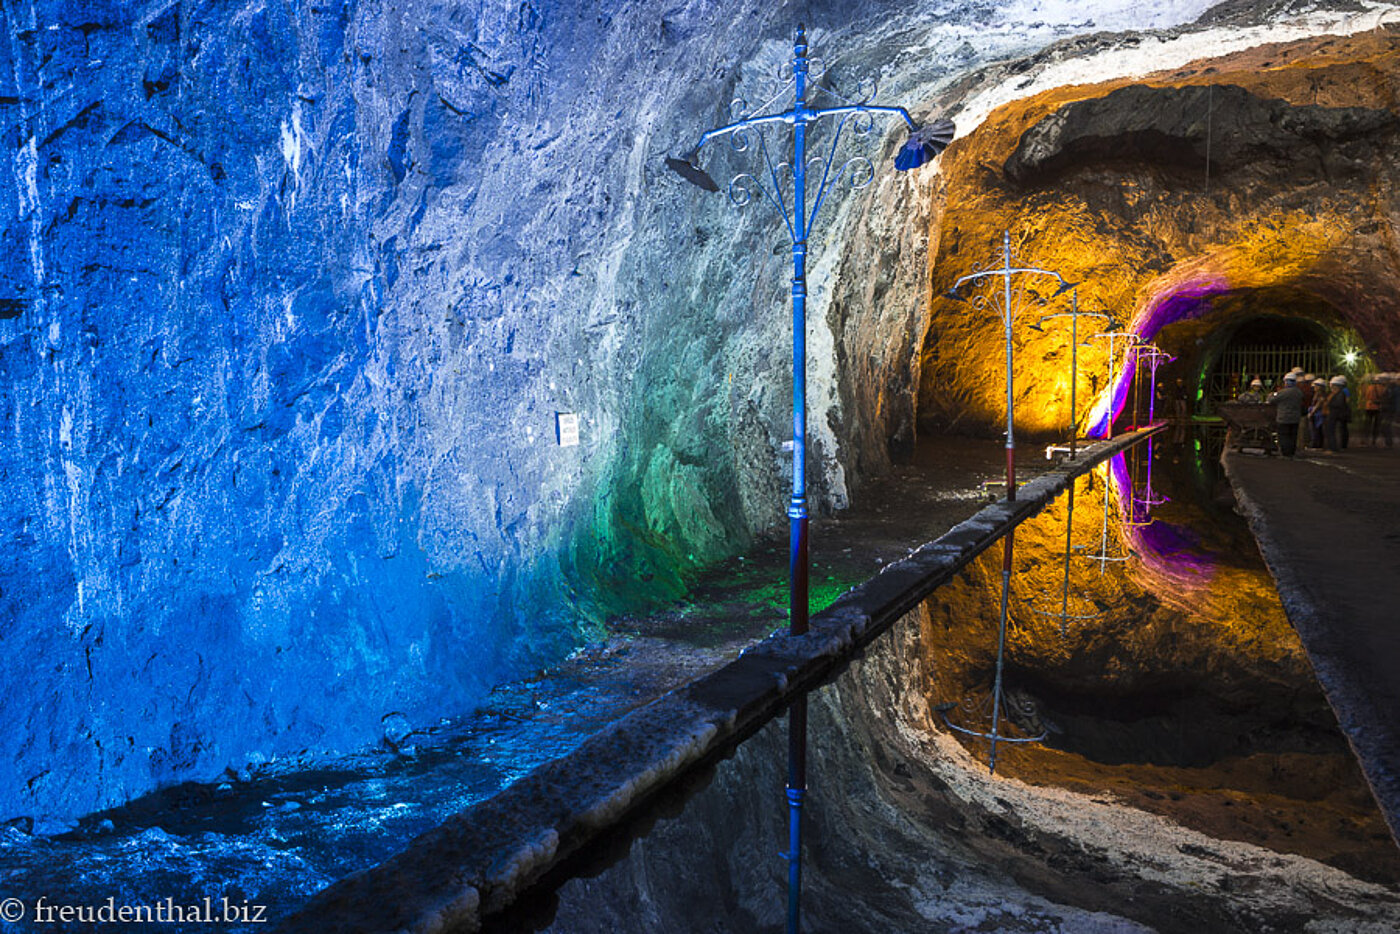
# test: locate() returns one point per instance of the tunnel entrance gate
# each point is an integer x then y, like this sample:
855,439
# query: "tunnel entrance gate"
1240,364
1265,348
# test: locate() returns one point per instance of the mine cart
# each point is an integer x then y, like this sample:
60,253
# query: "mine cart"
1251,426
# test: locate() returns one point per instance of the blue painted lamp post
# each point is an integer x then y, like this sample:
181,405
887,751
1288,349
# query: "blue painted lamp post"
744,133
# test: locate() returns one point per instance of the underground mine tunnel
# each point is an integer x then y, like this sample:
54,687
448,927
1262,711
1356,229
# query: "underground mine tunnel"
397,458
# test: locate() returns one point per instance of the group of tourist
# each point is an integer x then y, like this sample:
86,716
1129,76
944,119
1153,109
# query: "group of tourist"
1318,410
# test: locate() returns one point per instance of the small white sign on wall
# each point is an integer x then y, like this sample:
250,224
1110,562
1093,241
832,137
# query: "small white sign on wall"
566,428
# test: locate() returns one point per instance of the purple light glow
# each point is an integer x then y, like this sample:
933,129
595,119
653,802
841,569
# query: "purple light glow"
1189,300
1167,552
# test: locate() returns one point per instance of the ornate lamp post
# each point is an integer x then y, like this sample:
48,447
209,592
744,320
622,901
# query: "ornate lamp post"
1006,271
1155,357
1074,314
745,133
1113,337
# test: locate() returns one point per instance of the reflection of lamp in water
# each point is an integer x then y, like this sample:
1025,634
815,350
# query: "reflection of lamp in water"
1064,614
994,735
1149,497
1132,518
1103,557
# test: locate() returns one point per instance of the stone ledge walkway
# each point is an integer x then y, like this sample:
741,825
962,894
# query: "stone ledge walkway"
1328,526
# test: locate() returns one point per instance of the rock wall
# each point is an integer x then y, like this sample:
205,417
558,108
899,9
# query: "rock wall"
289,298
1183,202
291,294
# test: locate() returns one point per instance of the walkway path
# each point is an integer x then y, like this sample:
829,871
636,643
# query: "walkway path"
1328,526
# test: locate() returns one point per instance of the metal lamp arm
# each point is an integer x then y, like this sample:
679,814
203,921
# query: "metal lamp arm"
1004,271
1073,314
788,116
744,124
864,109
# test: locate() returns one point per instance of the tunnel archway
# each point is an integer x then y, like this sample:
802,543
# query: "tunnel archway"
1230,338
1265,196
1261,348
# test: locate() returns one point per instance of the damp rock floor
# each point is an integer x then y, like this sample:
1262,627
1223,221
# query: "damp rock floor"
294,827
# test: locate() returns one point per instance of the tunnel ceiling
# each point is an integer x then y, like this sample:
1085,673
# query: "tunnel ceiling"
1257,183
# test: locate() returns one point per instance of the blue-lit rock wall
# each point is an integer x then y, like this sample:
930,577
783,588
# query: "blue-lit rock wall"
290,294
241,519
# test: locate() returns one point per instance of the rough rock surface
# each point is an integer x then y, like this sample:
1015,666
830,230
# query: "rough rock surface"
1184,203
290,296
292,292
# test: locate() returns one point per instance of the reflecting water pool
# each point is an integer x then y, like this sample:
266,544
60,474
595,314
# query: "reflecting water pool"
1191,777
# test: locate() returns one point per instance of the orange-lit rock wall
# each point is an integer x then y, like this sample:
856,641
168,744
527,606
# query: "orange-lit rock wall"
1268,173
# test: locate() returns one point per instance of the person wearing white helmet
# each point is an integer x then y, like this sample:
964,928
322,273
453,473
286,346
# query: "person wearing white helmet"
1288,403
1337,420
1254,395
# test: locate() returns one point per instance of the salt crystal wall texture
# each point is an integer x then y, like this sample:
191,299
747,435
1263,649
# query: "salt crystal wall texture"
290,294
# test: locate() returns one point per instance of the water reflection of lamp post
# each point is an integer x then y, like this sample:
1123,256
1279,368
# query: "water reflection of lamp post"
1103,557
1006,271
923,145
1074,314
1149,497
1063,613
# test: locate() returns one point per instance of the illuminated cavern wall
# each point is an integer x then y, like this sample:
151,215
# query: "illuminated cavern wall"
290,295
1183,202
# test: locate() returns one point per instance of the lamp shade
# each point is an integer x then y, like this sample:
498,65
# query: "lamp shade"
924,144
692,173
